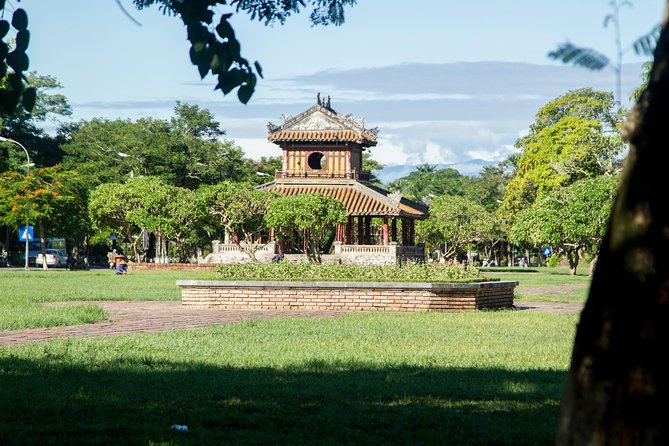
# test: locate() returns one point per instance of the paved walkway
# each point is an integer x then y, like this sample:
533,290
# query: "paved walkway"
126,317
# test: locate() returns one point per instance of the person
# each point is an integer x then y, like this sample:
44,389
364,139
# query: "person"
277,258
111,258
122,268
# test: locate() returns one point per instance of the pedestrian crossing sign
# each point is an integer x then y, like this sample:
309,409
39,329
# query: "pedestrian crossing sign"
26,233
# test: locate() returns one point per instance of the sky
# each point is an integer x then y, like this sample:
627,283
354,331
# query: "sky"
447,82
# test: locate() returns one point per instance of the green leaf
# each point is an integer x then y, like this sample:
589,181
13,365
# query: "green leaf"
29,98
22,40
18,60
244,93
224,29
4,28
226,82
4,49
20,20
258,69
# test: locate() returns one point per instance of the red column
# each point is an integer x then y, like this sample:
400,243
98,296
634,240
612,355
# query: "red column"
349,231
393,230
272,235
412,232
385,230
360,231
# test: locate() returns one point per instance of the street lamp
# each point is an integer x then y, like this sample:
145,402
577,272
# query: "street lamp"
3,139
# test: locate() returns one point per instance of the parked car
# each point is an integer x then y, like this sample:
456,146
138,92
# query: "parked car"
54,257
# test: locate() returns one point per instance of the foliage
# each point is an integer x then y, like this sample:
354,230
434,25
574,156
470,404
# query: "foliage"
14,63
314,215
645,77
263,170
574,136
22,126
487,189
371,167
553,260
147,204
454,223
184,151
240,209
572,219
308,272
592,59
28,199
427,181
215,48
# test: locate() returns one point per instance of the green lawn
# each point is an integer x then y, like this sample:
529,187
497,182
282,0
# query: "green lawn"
23,293
576,289
472,378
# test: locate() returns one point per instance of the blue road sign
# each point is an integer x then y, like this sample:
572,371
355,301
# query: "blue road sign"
26,233
547,252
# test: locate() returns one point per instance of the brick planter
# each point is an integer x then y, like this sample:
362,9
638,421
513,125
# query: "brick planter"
346,296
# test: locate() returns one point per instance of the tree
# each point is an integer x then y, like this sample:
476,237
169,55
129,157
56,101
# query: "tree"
184,151
488,188
617,390
34,199
22,125
241,210
427,181
645,77
314,215
171,213
574,136
371,167
454,223
572,219
263,170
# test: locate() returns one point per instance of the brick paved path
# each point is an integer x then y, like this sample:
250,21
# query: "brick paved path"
149,317
127,317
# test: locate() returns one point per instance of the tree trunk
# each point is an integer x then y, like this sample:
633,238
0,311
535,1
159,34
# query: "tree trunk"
617,391
593,264
572,258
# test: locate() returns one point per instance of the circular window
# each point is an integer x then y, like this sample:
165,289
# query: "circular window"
316,160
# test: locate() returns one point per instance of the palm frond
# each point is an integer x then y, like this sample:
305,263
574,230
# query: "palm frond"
646,44
589,58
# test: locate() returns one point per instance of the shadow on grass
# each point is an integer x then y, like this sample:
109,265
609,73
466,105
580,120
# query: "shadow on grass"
136,402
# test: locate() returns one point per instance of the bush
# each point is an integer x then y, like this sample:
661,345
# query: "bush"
553,260
285,271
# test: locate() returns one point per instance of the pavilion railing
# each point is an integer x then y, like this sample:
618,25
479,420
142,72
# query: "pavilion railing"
350,175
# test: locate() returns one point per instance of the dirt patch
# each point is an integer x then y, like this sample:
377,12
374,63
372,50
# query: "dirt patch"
551,289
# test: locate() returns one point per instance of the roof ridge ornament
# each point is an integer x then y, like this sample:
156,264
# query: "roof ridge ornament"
324,103
395,198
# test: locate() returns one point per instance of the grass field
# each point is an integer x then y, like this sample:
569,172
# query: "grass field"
23,293
547,285
473,378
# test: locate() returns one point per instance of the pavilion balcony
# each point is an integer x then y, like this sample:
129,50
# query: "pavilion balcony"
349,175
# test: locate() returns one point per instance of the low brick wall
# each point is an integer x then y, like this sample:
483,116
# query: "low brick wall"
133,266
346,296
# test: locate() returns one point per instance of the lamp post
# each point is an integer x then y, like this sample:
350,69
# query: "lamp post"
3,139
